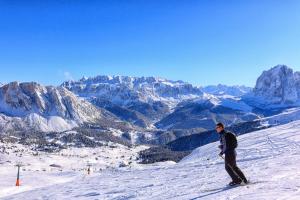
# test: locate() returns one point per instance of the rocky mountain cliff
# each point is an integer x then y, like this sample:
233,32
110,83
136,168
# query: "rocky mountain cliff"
277,87
123,90
25,106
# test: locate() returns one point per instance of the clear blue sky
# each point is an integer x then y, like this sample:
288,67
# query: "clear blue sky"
202,42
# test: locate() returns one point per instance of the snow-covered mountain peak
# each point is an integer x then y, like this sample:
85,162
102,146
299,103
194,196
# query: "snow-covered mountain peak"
118,79
278,86
33,104
124,90
19,98
220,90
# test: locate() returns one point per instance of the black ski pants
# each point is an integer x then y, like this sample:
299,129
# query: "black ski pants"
232,169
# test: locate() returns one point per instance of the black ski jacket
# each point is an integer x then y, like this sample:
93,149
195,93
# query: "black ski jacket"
228,142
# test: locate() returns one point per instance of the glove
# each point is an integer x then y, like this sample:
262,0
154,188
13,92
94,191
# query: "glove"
220,146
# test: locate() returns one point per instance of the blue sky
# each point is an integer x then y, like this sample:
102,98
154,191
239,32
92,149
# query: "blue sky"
201,42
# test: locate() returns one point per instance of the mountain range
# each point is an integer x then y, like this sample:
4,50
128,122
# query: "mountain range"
141,109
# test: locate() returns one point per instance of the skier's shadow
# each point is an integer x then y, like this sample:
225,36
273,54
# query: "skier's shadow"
216,192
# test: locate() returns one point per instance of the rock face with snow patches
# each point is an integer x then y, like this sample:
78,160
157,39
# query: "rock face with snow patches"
147,105
277,87
33,106
146,99
124,90
19,99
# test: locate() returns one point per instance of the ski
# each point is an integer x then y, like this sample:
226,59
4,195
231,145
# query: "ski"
227,187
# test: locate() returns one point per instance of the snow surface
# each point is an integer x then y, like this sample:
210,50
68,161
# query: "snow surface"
270,158
34,120
221,90
284,117
226,100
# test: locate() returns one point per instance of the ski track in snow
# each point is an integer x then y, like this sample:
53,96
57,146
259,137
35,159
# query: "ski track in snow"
270,158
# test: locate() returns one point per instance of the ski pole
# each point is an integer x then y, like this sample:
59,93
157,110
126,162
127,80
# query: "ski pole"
233,170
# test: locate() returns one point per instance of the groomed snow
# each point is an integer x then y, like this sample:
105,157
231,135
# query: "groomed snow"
270,158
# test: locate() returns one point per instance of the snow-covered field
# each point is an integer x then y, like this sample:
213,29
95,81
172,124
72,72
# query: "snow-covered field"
69,164
270,158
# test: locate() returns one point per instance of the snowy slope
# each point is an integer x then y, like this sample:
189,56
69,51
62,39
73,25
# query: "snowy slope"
227,101
206,111
71,165
270,158
286,116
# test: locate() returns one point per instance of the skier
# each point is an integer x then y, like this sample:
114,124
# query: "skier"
228,144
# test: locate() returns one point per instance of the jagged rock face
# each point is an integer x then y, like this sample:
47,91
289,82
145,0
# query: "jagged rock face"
21,99
33,107
297,82
124,90
278,85
147,99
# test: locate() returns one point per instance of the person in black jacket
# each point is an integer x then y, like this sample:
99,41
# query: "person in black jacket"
228,144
